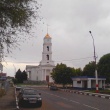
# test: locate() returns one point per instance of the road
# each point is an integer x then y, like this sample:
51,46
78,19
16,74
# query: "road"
59,100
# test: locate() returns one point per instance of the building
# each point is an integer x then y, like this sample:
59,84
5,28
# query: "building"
43,70
3,76
87,82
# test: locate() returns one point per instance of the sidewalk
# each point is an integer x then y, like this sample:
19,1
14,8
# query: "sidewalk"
8,102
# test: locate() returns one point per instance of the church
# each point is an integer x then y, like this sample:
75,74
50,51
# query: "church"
43,70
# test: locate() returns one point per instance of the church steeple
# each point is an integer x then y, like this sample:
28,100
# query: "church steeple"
47,36
47,51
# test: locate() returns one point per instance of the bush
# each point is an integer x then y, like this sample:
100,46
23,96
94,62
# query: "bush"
15,81
2,92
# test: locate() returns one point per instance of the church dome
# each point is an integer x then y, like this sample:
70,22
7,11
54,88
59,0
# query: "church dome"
47,36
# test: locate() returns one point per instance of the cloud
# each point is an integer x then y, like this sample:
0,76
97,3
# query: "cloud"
69,24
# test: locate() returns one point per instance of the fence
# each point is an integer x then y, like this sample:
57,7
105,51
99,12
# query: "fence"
4,85
35,82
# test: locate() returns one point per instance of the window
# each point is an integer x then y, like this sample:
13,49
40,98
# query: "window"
37,78
47,48
78,81
47,57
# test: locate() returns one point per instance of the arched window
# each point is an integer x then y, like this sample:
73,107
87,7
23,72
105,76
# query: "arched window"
47,57
47,48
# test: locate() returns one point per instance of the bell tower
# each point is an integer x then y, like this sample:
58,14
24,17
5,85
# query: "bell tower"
47,51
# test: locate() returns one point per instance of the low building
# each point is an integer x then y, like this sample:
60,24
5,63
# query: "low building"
88,82
3,76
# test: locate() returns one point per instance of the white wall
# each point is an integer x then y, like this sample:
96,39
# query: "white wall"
40,75
33,74
89,83
75,84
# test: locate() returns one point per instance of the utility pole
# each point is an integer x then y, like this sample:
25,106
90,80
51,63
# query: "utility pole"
96,76
1,55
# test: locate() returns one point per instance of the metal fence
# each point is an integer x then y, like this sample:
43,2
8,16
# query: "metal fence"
4,85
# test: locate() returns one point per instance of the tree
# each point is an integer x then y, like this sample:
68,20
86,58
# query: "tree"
16,16
89,69
24,75
18,76
78,72
62,74
104,67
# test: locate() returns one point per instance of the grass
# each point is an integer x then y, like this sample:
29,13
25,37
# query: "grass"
101,91
22,84
2,92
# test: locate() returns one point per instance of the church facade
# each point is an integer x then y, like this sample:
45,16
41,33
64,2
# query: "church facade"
43,70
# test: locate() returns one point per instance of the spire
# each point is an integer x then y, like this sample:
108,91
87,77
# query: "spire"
47,28
47,35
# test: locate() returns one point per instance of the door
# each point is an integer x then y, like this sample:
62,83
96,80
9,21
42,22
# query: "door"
47,78
85,84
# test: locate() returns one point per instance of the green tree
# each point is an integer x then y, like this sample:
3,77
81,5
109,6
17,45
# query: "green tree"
16,17
104,67
62,74
78,72
89,69
24,75
18,76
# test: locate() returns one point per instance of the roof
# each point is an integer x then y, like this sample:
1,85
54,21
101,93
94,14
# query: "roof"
87,78
47,65
47,36
30,66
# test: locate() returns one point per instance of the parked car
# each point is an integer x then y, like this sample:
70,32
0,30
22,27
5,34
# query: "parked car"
29,96
18,88
53,87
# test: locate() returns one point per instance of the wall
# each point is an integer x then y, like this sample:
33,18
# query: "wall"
77,85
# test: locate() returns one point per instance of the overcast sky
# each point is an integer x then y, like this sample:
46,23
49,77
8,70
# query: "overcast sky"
69,24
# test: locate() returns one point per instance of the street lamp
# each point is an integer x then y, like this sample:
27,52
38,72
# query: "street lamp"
97,88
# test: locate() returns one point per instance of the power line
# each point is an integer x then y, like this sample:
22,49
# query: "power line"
54,61
76,59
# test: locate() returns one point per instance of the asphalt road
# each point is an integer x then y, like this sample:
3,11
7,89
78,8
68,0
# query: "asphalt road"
59,100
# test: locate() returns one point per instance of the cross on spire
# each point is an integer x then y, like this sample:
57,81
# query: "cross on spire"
47,28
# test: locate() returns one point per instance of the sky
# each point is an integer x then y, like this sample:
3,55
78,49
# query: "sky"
69,23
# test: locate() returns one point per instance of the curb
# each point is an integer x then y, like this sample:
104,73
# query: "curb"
106,96
16,99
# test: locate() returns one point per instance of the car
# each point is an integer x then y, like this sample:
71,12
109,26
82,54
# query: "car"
53,87
29,96
18,88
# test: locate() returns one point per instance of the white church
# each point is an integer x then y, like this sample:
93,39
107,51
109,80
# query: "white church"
43,70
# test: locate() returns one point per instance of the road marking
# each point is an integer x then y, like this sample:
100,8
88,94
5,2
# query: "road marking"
64,105
91,107
90,94
103,96
74,101
96,95
63,98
